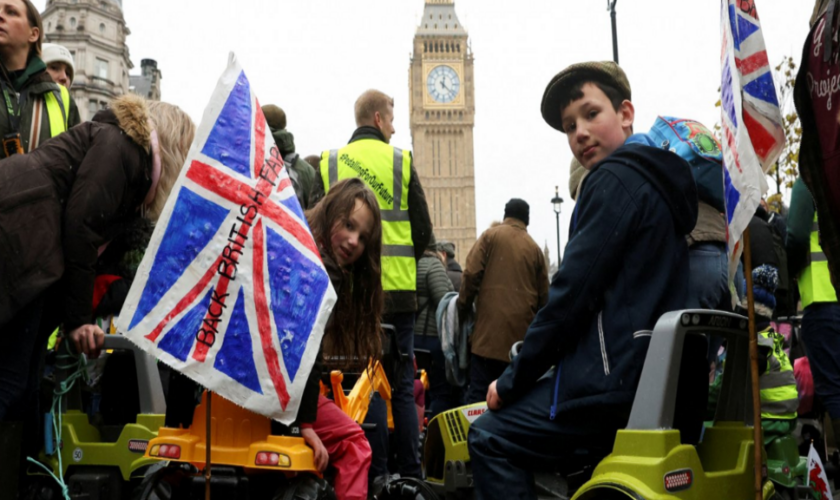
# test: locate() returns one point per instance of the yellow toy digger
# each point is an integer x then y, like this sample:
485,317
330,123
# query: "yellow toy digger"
248,461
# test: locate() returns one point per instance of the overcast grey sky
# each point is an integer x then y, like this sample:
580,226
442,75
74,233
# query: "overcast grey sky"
314,57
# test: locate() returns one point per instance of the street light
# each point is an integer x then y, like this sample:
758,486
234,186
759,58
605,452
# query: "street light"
611,8
557,203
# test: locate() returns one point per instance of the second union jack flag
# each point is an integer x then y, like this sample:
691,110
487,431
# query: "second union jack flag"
231,291
751,122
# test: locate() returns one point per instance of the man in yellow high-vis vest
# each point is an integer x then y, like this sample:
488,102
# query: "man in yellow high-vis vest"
821,315
406,229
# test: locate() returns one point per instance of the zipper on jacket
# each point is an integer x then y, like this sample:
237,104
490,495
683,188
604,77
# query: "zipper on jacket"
603,343
553,412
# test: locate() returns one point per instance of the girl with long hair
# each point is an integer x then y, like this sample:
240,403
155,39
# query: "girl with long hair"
347,228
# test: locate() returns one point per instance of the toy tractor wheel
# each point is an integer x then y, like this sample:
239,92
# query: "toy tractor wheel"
609,494
306,487
162,484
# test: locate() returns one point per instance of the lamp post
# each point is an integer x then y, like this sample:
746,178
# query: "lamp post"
557,202
611,8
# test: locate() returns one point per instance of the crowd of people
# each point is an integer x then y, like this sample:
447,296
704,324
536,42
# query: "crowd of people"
78,201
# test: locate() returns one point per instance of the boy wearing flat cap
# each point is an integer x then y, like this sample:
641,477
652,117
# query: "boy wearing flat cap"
625,265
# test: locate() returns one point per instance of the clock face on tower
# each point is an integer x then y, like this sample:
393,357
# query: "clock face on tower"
443,84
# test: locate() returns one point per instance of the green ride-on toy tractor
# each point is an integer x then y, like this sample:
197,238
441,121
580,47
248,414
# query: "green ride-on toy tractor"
649,461
104,459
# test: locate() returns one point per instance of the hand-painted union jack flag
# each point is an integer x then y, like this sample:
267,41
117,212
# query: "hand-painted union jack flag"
232,291
751,121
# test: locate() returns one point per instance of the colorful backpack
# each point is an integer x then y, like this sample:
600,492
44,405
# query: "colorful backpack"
694,143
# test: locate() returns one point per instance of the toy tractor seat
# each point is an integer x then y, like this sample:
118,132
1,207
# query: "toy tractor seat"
130,384
648,459
94,457
120,396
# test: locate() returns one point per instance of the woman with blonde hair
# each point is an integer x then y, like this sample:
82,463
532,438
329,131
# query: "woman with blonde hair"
33,108
60,207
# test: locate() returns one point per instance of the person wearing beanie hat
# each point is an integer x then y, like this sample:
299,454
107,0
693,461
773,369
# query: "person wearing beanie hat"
626,263
779,395
62,70
301,173
506,278
59,63
765,280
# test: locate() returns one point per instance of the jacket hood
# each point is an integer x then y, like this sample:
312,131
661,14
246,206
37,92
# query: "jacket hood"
131,114
367,132
452,265
669,174
285,141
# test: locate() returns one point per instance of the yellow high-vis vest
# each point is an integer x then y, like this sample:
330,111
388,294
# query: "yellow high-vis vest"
779,398
387,171
815,281
58,111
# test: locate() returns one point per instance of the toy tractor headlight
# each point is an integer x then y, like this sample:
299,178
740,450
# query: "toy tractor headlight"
679,480
272,459
165,451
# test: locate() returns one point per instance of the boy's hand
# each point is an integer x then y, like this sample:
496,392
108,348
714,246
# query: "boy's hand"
494,402
88,339
322,458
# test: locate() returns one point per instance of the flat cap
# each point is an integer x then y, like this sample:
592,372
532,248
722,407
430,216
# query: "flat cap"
448,247
557,91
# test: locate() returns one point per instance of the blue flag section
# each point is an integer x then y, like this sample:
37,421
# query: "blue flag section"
232,291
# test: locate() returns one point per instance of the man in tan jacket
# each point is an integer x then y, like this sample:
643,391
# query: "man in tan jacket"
506,277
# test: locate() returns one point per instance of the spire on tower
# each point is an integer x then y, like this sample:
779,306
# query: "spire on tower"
439,18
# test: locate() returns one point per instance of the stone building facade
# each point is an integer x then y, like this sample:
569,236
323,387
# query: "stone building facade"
442,101
147,83
95,33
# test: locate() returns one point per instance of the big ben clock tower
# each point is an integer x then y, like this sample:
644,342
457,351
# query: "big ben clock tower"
442,118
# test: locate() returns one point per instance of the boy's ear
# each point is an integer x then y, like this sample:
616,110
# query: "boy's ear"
627,112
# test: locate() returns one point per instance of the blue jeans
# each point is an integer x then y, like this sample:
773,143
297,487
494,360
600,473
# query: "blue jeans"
507,445
708,279
406,426
708,284
442,395
821,336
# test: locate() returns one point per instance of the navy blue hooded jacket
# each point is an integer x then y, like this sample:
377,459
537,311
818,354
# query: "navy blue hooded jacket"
625,265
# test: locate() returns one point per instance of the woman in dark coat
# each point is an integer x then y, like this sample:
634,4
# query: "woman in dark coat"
60,206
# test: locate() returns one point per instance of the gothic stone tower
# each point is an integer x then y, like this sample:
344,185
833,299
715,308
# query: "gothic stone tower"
442,118
94,31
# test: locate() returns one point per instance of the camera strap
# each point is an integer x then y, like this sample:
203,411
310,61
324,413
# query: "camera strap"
14,117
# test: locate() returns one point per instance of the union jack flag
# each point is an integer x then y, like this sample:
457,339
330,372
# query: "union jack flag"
231,290
751,121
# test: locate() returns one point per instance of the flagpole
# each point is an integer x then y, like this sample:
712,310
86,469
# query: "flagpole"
758,443
207,466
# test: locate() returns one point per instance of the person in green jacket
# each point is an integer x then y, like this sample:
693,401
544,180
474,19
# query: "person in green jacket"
301,172
820,308
779,396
